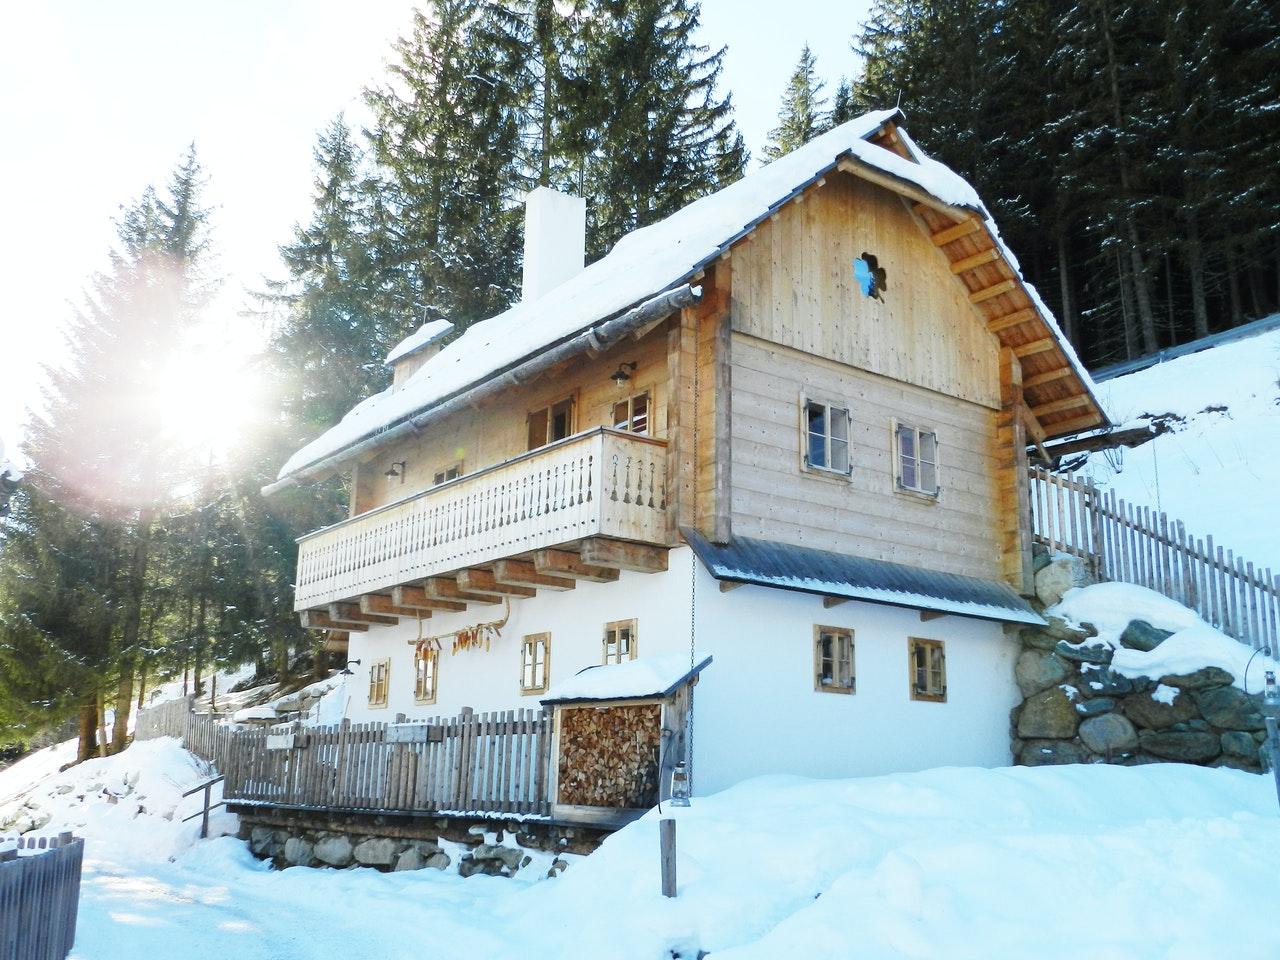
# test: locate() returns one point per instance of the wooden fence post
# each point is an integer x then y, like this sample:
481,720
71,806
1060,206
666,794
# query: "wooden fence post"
667,841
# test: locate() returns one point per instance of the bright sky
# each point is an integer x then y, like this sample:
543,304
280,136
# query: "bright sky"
101,99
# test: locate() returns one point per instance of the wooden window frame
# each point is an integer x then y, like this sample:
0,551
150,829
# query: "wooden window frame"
529,663
817,469
839,634
630,401
929,693
379,679
615,626
895,442
572,400
431,656
440,477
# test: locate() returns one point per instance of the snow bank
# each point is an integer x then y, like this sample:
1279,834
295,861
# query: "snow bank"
1215,471
1194,644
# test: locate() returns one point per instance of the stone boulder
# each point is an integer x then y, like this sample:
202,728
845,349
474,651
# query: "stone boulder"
1096,707
1229,709
1199,679
1236,743
376,852
508,857
1152,714
1050,714
1054,630
1140,635
1104,682
1037,670
1108,734
1189,747
336,851
1060,575
1096,653
260,839
1045,753
299,852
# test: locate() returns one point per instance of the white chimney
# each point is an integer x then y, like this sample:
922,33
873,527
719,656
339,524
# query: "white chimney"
555,238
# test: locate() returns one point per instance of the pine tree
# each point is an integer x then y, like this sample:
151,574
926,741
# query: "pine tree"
803,115
842,106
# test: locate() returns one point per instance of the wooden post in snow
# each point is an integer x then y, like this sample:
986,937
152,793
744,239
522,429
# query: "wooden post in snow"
667,837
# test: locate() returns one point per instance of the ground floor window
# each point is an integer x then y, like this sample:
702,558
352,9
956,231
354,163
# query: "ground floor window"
619,641
928,664
425,664
379,672
535,663
833,660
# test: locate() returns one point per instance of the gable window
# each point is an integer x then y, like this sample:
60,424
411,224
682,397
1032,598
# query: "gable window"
928,665
826,436
619,641
833,660
535,663
632,415
425,664
917,459
379,672
550,424
451,472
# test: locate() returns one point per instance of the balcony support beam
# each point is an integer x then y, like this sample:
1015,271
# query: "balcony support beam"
320,620
525,574
604,552
476,580
447,589
378,603
351,613
565,563
407,595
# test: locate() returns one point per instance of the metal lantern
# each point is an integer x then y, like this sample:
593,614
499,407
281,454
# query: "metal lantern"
1271,696
680,786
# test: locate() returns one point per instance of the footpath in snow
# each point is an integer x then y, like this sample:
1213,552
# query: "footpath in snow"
1161,861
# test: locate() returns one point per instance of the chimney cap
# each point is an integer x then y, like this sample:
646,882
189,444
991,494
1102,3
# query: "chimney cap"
424,336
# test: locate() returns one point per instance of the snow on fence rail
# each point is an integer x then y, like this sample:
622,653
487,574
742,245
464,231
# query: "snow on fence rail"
1134,544
39,897
473,763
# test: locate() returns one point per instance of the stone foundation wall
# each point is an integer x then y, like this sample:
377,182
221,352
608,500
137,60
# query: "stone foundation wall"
468,845
1076,709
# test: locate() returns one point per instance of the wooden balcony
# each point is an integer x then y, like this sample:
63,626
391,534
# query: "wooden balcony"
576,505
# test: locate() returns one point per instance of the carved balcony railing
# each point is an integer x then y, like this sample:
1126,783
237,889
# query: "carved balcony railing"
601,483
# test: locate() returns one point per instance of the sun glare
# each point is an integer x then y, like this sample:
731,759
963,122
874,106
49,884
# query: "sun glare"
212,397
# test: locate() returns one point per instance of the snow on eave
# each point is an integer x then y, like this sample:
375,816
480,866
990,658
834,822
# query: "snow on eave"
641,679
424,336
646,261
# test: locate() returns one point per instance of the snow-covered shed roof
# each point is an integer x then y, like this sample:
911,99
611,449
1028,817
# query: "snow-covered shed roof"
809,570
647,677
644,265
424,336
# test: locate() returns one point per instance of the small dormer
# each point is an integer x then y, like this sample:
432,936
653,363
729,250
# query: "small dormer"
413,351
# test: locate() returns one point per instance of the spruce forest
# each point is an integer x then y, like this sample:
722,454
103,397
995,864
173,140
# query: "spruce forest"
1130,153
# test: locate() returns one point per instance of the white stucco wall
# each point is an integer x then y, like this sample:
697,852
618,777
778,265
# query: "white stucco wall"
756,711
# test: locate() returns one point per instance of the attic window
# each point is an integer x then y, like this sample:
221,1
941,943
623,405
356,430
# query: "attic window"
870,276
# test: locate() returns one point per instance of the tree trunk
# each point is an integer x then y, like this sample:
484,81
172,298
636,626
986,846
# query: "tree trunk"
1194,252
124,703
1064,282
87,724
1233,286
1126,315
101,712
142,683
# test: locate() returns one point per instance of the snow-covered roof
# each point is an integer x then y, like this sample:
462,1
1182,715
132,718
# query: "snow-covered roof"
646,677
645,263
424,336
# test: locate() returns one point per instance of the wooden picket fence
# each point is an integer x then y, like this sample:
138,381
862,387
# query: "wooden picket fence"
1135,544
39,897
472,763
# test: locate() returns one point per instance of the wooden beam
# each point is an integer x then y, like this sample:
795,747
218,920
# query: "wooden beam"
320,620
1057,406
996,324
927,615
524,573
476,580
338,641
977,260
407,595
986,293
1040,379
603,552
902,187
448,589
568,564
830,602
378,603
1074,425
1035,346
351,613
727,585
961,229
1031,424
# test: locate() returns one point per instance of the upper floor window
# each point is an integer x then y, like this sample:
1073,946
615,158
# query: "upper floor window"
928,669
451,472
833,660
632,414
826,436
379,673
425,664
619,641
551,423
535,663
917,459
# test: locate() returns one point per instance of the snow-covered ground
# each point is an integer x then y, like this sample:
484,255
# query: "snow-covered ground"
1215,471
1162,861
